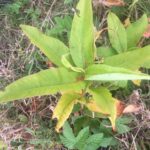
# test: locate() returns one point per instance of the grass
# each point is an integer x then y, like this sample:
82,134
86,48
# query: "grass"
27,123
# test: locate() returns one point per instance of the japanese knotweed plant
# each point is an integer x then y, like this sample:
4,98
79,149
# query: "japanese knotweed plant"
77,73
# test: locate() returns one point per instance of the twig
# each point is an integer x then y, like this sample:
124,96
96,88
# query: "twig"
48,14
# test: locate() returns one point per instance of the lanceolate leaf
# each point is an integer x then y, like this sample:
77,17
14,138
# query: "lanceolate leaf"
117,33
146,64
105,51
131,60
42,83
64,108
51,47
82,35
107,104
68,65
135,31
107,73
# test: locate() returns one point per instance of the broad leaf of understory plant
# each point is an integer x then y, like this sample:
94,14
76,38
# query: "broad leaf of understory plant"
106,103
67,131
68,138
117,33
64,108
135,31
42,83
77,142
81,138
93,142
103,72
82,35
122,124
107,141
84,140
62,25
51,47
105,51
131,60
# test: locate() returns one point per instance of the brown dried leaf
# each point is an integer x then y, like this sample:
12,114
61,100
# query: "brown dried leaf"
127,22
110,3
120,106
131,109
147,32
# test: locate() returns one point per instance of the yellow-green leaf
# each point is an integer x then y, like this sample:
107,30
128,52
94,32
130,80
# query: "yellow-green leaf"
146,64
135,31
68,65
64,108
105,51
82,35
103,72
106,103
131,60
117,33
42,83
51,47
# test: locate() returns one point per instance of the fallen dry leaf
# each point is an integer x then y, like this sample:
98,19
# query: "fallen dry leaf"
131,109
110,3
127,22
147,32
120,106
135,96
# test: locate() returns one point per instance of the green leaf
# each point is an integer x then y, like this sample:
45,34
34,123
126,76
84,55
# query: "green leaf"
64,108
105,142
62,25
108,73
105,51
81,122
117,33
51,47
121,125
68,65
125,119
93,142
131,60
69,143
82,35
146,64
135,31
67,131
81,138
68,138
68,1
42,83
121,128
105,102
